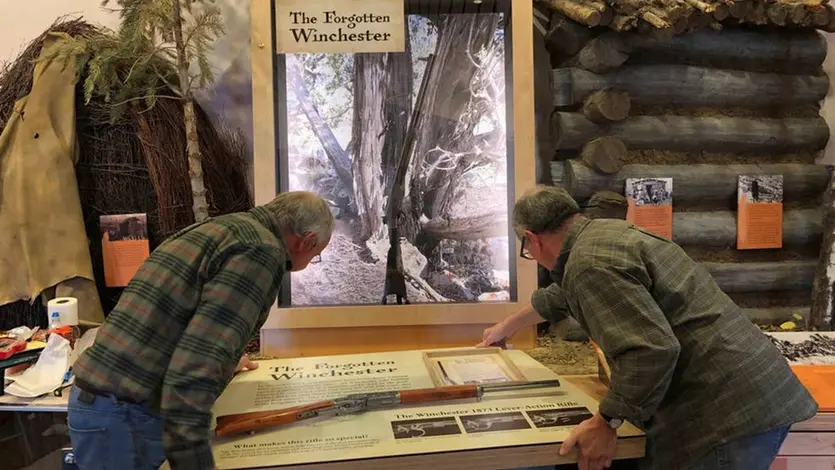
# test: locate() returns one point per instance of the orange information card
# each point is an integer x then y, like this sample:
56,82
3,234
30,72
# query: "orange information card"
759,212
650,204
820,381
125,246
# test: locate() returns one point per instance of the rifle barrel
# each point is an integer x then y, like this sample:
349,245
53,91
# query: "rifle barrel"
513,386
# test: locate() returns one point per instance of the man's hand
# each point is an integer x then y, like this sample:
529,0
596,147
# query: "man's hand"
596,441
492,335
246,364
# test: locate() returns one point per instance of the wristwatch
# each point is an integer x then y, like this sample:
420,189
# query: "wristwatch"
613,423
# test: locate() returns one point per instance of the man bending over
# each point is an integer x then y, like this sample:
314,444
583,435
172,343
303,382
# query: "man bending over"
144,391
688,367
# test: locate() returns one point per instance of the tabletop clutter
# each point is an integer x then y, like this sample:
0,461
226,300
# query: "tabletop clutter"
35,361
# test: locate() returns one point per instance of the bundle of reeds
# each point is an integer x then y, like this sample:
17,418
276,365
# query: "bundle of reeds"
136,165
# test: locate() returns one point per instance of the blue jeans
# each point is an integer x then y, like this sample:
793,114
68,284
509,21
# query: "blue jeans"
748,453
109,434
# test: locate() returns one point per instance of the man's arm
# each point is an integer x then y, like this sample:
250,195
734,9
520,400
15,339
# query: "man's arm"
202,364
547,304
636,337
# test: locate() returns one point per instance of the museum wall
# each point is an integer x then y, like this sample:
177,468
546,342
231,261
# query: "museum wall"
786,275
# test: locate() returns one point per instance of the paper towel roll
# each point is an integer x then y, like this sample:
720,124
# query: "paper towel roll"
67,308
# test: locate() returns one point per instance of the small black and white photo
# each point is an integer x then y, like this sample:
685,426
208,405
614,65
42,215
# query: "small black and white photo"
559,417
650,191
427,427
124,227
494,422
761,188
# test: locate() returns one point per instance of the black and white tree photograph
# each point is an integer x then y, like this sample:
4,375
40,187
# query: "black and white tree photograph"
410,150
761,188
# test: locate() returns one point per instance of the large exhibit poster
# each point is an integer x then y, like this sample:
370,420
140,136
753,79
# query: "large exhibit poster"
527,417
401,124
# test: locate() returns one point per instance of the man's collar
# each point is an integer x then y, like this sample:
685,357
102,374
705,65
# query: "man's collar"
263,215
571,236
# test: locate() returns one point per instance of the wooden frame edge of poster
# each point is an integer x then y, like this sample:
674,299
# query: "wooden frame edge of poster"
308,331
432,358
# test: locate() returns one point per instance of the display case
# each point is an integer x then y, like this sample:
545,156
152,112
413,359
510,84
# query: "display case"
415,121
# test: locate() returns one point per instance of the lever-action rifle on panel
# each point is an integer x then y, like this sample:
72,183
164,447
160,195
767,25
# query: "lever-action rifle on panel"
361,402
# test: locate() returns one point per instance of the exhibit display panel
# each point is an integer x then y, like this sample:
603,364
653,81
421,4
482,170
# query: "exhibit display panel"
507,419
414,121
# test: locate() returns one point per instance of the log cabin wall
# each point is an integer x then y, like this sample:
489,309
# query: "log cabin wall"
701,92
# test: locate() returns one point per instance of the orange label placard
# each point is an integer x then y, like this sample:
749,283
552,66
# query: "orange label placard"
125,246
820,381
760,212
650,204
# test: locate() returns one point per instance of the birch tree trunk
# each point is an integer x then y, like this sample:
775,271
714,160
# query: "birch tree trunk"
195,157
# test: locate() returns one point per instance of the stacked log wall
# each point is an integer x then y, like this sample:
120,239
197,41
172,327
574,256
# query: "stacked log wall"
702,108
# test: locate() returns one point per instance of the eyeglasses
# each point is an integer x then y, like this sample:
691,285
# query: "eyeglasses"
316,259
523,252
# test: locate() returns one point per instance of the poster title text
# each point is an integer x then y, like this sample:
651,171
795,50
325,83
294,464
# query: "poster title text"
327,369
351,28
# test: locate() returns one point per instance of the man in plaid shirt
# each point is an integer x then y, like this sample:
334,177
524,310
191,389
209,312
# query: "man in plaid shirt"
687,366
144,391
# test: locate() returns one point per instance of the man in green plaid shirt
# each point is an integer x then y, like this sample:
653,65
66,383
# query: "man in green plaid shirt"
144,391
687,366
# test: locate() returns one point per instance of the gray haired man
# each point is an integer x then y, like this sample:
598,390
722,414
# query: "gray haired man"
688,367
144,391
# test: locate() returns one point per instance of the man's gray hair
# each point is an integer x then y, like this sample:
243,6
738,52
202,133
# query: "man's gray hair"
543,209
302,212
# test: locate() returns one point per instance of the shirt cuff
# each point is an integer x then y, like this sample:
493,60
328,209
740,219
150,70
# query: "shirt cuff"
614,406
549,303
198,457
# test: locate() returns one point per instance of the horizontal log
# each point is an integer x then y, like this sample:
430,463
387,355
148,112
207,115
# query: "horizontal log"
718,229
701,182
684,85
570,330
763,277
478,227
731,46
688,133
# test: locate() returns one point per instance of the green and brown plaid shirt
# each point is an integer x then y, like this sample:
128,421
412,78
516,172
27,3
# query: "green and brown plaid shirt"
688,367
182,323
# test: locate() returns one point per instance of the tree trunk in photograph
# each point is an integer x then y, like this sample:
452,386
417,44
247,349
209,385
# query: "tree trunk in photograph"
718,229
195,158
699,182
338,157
686,133
397,153
397,103
691,86
490,225
447,97
823,291
763,277
368,137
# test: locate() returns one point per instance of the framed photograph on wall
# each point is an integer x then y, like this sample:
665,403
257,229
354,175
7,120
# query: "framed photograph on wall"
415,121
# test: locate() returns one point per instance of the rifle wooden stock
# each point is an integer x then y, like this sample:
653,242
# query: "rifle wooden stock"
427,395
245,422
